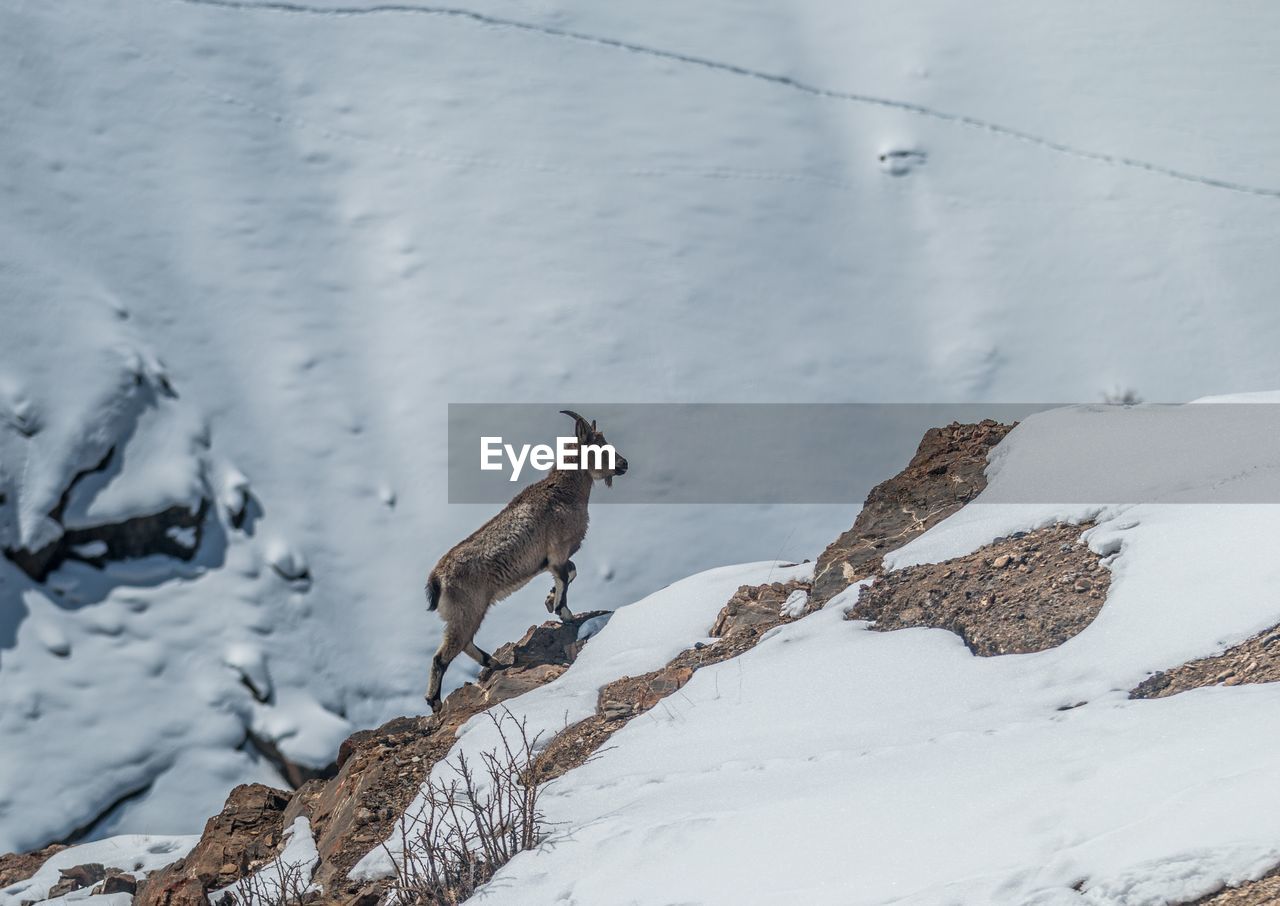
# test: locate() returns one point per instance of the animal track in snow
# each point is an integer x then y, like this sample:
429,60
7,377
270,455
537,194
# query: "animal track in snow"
901,161
736,69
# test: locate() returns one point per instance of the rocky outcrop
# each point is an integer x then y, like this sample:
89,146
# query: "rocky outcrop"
1024,593
173,532
1256,660
378,772
77,877
15,867
947,472
242,836
760,605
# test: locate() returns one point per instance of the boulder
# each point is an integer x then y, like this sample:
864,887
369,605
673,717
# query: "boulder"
244,835
77,877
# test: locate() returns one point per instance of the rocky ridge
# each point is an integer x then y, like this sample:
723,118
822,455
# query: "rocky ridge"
1023,593
947,471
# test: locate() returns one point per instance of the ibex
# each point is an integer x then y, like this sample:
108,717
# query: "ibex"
538,531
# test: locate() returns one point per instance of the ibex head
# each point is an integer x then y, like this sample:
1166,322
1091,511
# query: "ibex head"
590,436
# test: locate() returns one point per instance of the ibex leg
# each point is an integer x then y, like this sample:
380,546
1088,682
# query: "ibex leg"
450,646
558,598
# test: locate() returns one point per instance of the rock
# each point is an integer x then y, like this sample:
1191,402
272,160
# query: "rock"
1002,561
1005,612
76,878
947,472
367,896
755,605
243,835
15,867
172,891
166,534
631,695
550,643
510,683
117,882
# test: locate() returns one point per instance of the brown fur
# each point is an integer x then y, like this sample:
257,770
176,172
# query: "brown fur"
538,531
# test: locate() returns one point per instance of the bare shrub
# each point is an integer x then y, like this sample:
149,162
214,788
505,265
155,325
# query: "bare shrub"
471,825
278,884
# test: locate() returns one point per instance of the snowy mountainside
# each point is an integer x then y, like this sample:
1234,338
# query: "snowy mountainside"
870,764
897,767
253,252
874,767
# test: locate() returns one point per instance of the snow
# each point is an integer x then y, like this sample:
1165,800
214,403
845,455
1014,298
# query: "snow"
303,729
251,663
256,252
591,628
795,604
137,854
898,767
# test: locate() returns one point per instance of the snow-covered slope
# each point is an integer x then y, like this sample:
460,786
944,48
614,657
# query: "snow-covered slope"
268,245
832,764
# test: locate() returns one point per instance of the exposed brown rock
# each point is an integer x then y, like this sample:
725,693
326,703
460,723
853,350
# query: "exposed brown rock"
172,891
1048,588
572,747
77,877
1263,892
1256,660
117,882
754,605
15,867
947,472
625,698
241,837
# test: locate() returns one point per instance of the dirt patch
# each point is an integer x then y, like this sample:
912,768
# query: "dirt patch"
1256,660
947,472
1028,592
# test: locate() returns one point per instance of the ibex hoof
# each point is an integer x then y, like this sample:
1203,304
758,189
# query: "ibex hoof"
434,703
